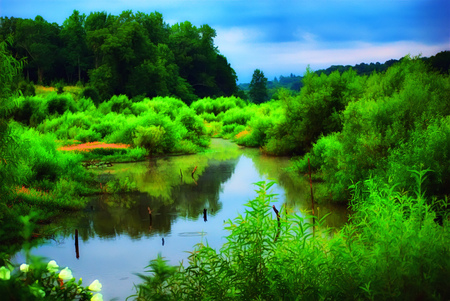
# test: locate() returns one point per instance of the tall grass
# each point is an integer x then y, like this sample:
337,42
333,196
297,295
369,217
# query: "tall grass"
391,250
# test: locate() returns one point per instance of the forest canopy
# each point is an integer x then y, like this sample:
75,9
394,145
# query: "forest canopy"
136,54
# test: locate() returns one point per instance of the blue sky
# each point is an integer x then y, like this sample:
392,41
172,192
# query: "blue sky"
284,36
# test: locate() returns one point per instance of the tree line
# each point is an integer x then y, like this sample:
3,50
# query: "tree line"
136,54
439,62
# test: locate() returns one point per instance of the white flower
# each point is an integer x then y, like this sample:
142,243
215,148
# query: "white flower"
95,286
52,266
97,297
5,273
65,274
24,267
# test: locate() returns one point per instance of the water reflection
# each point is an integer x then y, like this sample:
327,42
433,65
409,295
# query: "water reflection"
181,201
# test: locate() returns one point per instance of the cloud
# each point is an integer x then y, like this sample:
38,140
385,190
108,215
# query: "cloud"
245,52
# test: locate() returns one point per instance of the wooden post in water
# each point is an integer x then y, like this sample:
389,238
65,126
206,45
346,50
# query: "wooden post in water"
195,168
77,250
205,218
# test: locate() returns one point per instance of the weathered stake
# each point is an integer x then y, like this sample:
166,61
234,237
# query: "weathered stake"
77,250
279,222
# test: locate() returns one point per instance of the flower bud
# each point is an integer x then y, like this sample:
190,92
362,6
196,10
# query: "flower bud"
95,286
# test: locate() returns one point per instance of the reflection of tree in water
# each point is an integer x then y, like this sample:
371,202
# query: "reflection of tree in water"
192,199
111,215
296,187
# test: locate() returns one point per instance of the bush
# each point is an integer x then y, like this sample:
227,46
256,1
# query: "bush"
92,93
61,103
87,136
27,88
151,138
59,88
428,148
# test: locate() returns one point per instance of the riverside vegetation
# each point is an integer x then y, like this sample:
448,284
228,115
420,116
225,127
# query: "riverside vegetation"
379,142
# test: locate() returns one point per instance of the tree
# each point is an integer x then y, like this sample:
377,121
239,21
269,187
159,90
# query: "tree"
40,41
9,68
225,76
258,87
73,35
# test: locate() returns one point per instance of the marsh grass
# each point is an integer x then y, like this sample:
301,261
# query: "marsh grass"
392,249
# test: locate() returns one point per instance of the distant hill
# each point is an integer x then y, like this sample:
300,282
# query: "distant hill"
440,62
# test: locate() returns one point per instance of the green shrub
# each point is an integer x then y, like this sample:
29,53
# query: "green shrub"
428,148
27,88
60,104
195,127
151,138
59,87
92,93
87,135
217,105
237,115
85,104
391,249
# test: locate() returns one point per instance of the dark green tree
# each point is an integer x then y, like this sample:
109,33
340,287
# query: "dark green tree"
258,87
75,49
225,77
40,41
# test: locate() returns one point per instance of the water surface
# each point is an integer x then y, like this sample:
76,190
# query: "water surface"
117,237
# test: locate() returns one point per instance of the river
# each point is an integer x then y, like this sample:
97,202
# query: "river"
118,238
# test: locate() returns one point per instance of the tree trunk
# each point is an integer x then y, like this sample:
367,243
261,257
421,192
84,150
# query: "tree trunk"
79,69
40,76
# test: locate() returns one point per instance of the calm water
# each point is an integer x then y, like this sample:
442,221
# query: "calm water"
117,238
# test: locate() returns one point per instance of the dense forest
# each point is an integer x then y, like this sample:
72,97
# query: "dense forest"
135,54
378,142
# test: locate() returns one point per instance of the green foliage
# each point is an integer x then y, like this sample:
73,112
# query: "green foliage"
92,93
396,123
391,249
155,287
195,128
27,88
61,103
9,69
217,105
59,87
9,161
258,87
150,138
428,146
